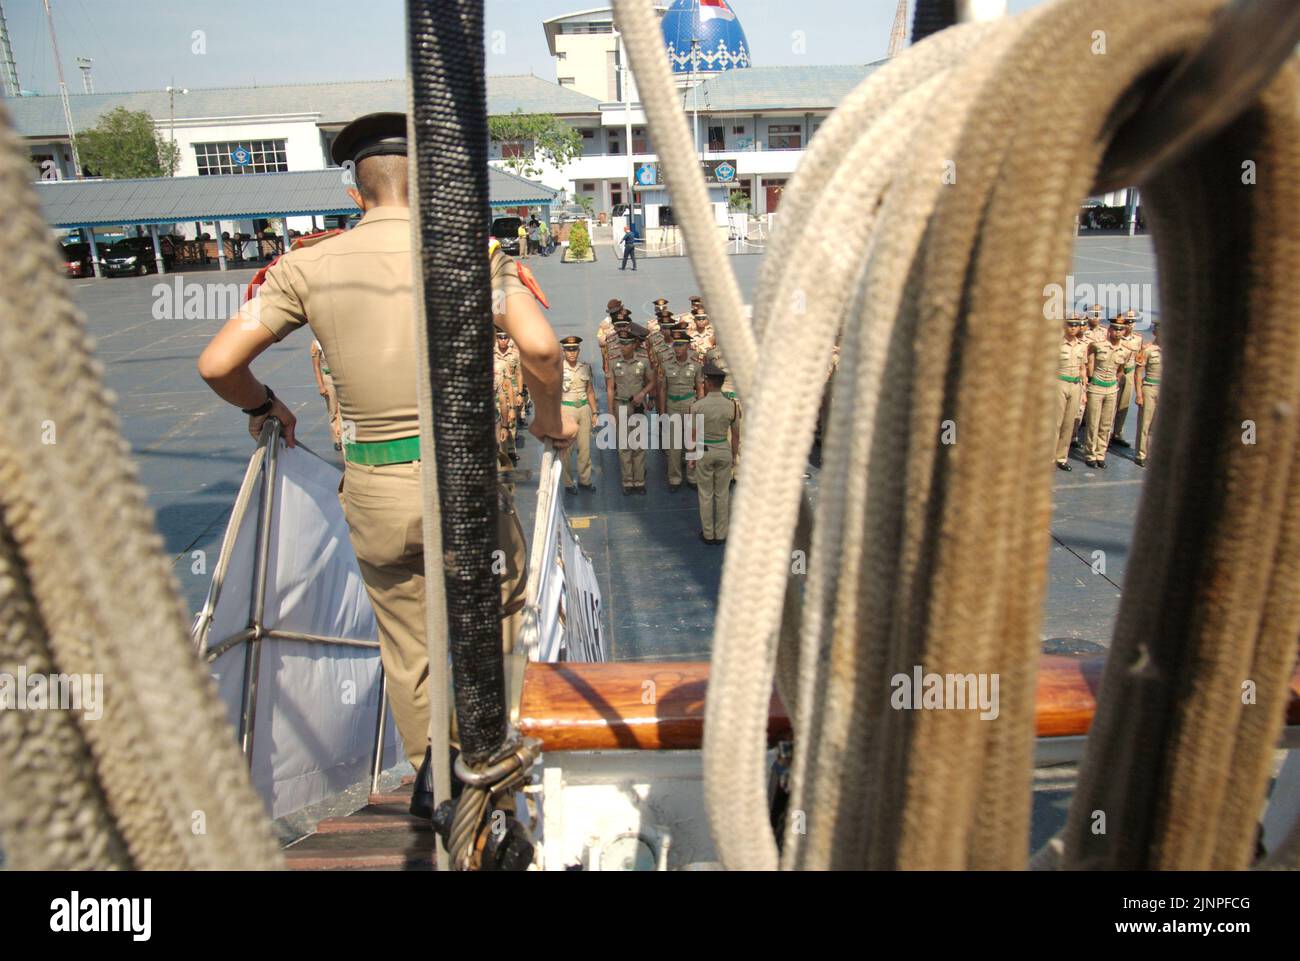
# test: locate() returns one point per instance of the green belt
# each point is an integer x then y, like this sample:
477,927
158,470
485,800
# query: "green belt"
713,442
1070,380
400,451
574,403
1153,383
324,370
1128,369
1103,383
680,396
729,394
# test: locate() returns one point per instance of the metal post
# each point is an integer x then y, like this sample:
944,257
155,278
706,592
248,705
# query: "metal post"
284,224
221,245
63,94
159,265
377,765
94,252
253,653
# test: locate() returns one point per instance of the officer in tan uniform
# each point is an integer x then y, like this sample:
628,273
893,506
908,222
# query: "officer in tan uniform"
1149,365
1092,333
505,372
1071,365
1133,344
606,336
1105,360
320,366
580,398
355,292
630,382
718,417
682,383
701,331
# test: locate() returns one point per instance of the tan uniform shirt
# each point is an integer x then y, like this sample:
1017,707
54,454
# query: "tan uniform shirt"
1110,358
1153,361
681,379
1072,359
701,340
355,292
1133,343
1093,335
629,376
719,414
577,378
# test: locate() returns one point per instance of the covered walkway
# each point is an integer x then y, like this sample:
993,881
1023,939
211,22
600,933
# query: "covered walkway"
166,201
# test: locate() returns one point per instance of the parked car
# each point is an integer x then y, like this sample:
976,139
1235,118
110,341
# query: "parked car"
567,213
76,258
134,255
506,230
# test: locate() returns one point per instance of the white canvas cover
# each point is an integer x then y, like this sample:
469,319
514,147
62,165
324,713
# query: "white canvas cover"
317,703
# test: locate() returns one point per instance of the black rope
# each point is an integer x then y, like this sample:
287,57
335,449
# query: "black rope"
931,16
451,146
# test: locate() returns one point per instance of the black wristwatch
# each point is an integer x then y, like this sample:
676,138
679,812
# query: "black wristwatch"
264,408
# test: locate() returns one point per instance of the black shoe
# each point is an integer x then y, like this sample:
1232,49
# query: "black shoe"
1120,442
707,540
571,490
1091,463
1140,461
627,491
641,490
1101,465
1061,466
719,541
1076,445
674,488
422,795
588,487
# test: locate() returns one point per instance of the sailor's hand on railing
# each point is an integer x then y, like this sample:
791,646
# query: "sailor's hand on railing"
281,413
561,435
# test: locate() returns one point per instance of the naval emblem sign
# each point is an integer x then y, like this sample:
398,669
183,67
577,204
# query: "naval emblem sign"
647,174
241,156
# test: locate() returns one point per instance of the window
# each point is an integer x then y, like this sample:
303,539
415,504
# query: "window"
588,134
565,81
265,156
615,193
515,149
561,55
716,139
784,136
615,143
738,130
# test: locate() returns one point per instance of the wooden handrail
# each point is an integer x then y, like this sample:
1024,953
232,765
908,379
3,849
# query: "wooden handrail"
660,705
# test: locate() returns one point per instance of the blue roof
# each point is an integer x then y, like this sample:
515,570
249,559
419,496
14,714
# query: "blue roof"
167,200
334,103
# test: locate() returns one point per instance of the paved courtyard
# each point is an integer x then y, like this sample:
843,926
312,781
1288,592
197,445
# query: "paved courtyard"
659,582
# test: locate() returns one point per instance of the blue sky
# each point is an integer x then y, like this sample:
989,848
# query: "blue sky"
144,44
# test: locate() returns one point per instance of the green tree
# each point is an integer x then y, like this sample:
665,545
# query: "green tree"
125,144
579,241
738,201
530,138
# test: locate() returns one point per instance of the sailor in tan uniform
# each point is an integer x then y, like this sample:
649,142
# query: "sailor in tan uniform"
355,292
701,331
714,356
1105,360
1094,332
580,398
1071,366
325,387
682,383
1149,365
630,382
606,337
716,418
505,372
1133,344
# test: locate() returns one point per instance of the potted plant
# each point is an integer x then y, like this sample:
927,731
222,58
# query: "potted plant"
579,249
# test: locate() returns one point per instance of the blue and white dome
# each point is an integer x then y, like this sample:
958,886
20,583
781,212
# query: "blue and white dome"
721,43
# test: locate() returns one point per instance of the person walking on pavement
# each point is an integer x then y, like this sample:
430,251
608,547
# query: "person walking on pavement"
629,245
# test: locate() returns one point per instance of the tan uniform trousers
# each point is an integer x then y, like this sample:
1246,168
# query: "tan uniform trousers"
676,453
1147,418
382,507
1100,419
713,483
631,461
1067,415
582,447
1123,403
